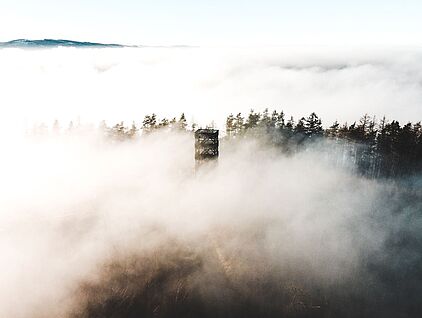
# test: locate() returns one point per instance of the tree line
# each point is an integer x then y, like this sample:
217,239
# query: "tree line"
377,148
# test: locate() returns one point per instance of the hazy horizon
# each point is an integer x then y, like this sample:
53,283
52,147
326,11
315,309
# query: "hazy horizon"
207,84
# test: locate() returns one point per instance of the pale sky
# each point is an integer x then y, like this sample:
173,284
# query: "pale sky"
216,22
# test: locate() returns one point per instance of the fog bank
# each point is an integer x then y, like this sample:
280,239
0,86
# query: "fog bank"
208,83
80,217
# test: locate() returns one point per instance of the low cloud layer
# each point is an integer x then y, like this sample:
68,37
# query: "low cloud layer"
81,217
207,84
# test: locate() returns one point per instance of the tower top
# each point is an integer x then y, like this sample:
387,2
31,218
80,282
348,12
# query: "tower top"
206,145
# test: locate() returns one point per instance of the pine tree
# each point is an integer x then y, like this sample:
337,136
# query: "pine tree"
333,130
149,124
164,123
239,125
182,123
230,126
417,128
173,124
278,119
266,121
118,132
290,124
132,131
300,127
253,120
313,126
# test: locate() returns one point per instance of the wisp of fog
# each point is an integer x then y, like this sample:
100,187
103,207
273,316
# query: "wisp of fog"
88,226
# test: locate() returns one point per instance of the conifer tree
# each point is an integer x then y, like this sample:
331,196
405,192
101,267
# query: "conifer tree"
313,126
149,123
266,120
132,131
300,127
333,130
182,123
253,120
290,124
118,132
278,119
173,124
230,126
239,124
164,123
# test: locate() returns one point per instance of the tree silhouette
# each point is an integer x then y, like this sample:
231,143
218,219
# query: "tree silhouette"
182,123
384,150
149,123
312,126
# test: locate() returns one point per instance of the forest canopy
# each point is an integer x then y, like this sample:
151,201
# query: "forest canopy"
378,148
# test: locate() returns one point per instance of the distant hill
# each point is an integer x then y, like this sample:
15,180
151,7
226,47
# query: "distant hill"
49,43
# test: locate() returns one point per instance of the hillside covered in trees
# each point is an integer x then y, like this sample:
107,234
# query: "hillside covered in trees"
377,148
272,230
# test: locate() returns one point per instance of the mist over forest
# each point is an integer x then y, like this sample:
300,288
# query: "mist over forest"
374,148
312,209
295,220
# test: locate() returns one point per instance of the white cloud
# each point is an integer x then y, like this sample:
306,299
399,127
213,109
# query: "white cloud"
69,205
207,84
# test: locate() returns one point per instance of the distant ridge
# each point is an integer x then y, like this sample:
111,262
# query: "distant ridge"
51,43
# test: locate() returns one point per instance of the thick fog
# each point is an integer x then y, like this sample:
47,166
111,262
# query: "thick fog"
78,213
88,225
208,83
